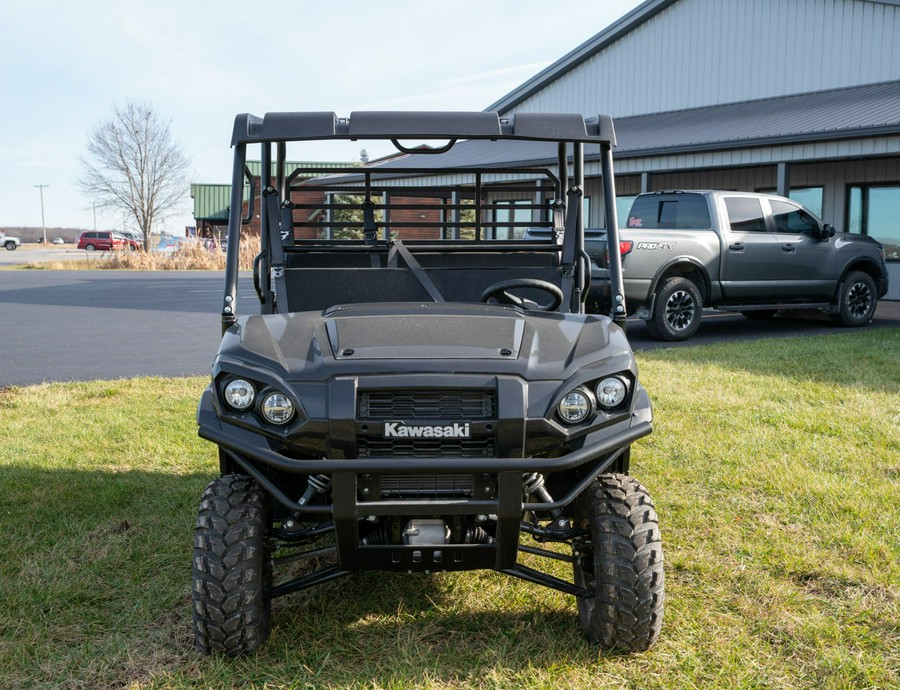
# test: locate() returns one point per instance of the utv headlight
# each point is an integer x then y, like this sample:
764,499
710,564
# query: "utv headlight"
575,406
611,392
239,394
277,408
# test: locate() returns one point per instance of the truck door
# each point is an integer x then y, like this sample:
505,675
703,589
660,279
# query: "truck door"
751,253
806,267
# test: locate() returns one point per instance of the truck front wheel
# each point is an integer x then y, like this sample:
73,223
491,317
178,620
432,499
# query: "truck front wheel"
678,309
622,567
857,300
232,570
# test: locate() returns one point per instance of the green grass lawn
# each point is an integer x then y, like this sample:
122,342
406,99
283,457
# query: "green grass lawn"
775,466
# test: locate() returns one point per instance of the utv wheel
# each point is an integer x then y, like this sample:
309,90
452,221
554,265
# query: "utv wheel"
623,567
232,568
677,312
857,300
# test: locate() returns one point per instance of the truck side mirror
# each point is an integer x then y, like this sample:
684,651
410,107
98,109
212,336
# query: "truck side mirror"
826,231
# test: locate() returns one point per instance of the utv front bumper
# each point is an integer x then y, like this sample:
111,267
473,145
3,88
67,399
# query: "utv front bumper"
348,505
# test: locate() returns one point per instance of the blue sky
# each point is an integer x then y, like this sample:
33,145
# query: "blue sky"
64,66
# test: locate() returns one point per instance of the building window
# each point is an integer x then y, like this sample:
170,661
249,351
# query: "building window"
509,212
623,206
874,210
810,197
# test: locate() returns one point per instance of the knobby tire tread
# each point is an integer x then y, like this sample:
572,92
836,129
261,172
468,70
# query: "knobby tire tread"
627,609
231,570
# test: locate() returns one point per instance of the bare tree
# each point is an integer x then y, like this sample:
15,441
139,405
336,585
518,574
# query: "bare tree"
134,165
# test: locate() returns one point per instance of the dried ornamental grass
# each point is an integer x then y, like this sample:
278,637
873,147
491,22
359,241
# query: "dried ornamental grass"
192,255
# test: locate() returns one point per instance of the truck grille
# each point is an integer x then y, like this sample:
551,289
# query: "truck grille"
427,404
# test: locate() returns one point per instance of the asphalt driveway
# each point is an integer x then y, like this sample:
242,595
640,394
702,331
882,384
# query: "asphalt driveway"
100,324
83,325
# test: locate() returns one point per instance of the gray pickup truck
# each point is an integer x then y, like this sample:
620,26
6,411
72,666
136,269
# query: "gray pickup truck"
756,254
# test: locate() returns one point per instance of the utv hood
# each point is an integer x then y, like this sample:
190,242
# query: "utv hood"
427,333
400,337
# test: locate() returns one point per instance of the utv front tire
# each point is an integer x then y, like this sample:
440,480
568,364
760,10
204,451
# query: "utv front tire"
232,570
623,566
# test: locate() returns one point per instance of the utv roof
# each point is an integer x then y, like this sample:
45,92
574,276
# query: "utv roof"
422,125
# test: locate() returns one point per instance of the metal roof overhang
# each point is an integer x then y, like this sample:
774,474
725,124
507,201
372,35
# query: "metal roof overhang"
825,116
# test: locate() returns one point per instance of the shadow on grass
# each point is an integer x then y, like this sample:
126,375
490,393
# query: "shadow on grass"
95,583
394,630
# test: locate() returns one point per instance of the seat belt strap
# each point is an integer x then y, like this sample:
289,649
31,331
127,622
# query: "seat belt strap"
418,271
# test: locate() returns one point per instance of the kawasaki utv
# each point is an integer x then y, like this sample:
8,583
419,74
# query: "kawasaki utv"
422,389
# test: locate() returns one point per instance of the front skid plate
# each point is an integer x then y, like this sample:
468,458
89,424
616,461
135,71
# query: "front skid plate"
429,559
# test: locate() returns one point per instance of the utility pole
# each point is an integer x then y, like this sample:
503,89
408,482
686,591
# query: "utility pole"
43,225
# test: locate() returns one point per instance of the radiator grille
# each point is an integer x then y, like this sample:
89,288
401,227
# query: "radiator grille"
425,448
427,485
427,404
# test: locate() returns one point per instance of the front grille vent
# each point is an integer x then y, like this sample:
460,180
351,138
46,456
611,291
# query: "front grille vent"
427,404
427,486
370,447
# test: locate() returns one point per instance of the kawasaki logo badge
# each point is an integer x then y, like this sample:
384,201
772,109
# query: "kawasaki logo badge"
401,430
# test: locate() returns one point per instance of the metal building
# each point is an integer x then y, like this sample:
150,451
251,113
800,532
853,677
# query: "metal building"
801,97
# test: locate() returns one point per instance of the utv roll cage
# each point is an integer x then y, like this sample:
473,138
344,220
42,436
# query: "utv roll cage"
410,270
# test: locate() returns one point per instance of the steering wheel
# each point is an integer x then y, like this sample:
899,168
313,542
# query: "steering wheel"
498,291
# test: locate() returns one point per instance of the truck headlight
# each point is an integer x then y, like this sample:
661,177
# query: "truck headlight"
239,394
611,392
575,406
277,408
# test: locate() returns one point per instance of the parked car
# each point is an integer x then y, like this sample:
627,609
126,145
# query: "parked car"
133,240
11,243
102,240
58,240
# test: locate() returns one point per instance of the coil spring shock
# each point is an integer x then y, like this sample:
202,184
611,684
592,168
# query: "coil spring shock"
533,484
317,483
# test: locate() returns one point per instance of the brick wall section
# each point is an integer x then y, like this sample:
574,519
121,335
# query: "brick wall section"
426,216
414,216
